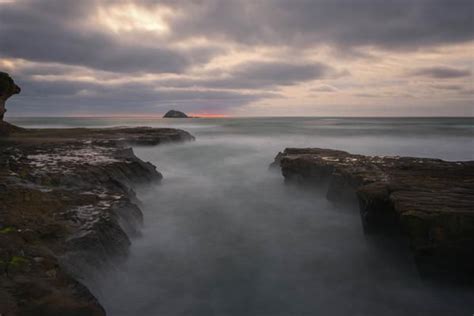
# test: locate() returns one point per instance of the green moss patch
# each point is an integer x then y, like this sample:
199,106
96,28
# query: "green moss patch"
7,229
18,261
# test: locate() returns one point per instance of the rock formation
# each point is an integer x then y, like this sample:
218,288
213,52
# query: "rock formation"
430,201
7,89
175,114
67,210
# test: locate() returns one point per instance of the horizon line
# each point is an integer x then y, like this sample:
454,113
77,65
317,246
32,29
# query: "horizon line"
219,116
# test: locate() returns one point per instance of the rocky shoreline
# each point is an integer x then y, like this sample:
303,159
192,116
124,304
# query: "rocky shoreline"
428,202
68,208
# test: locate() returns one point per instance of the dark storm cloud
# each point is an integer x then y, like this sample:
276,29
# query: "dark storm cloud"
441,72
400,24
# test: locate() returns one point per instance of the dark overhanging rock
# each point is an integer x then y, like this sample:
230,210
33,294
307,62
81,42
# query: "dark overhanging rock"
429,201
7,89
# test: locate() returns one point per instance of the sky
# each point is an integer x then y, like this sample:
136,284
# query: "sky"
239,57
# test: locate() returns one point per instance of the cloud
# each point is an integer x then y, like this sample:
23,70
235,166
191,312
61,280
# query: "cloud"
324,88
450,87
54,31
139,55
388,24
441,72
259,75
283,73
53,97
367,95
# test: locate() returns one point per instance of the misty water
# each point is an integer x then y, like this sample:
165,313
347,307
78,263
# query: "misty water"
223,235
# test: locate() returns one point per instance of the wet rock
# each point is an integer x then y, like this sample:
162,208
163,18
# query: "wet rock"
68,210
430,201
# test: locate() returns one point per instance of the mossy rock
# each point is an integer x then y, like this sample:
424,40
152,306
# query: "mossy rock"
7,230
17,264
18,261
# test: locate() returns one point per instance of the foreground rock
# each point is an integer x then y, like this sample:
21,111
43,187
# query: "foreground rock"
67,208
430,201
175,114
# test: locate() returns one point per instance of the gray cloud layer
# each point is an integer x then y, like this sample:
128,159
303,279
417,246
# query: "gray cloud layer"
441,72
50,31
258,75
129,98
392,24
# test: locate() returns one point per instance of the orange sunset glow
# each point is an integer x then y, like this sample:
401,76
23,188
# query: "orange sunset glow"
209,115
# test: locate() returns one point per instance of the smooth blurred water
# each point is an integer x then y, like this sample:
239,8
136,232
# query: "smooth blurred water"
445,138
225,236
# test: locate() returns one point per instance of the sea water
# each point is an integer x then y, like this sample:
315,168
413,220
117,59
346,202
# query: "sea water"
223,235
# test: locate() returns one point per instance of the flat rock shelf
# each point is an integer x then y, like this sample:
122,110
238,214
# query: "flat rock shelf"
429,202
67,208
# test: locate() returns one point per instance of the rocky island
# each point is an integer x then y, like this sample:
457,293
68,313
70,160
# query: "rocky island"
427,201
68,208
175,114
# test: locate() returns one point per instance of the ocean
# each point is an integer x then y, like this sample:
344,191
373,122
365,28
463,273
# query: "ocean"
223,235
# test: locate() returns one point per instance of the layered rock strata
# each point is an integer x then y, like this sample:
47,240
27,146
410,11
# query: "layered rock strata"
430,201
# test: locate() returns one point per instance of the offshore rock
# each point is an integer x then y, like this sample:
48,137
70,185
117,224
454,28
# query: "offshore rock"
175,114
68,208
430,201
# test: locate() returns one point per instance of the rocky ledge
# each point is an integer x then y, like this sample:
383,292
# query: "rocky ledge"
429,201
67,207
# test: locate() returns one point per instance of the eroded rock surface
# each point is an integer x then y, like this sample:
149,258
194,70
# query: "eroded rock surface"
67,207
431,201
